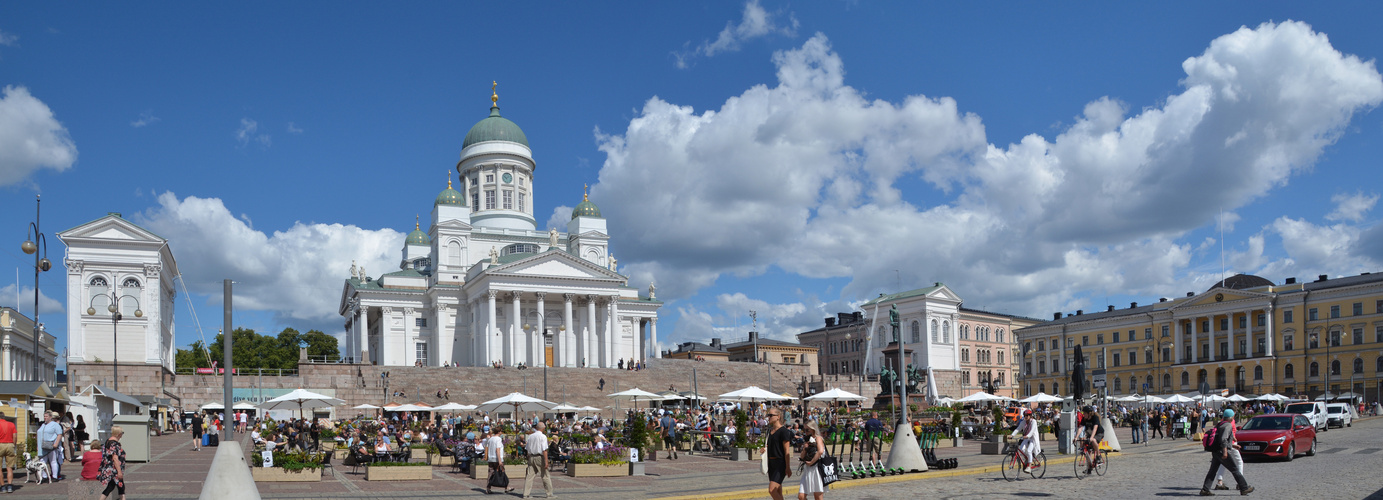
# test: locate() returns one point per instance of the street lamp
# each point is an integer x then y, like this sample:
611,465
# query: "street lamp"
34,242
115,317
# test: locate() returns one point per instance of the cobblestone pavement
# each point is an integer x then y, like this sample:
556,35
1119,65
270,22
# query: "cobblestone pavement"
1347,466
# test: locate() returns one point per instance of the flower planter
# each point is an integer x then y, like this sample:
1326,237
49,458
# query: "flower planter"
404,473
438,459
281,475
480,469
681,446
340,454
328,445
597,470
417,453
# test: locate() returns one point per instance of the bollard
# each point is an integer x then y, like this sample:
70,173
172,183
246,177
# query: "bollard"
229,477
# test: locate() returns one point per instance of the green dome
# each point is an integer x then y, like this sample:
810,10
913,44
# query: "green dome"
585,209
450,196
495,128
417,237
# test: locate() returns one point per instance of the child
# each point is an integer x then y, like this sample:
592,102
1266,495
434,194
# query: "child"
91,461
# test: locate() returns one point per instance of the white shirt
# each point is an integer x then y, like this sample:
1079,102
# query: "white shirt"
494,449
535,443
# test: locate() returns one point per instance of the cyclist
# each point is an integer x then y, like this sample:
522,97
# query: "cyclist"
1088,432
1029,447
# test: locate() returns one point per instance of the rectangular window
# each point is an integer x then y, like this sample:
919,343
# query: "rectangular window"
1224,324
1147,357
520,180
1205,351
489,199
1166,354
1286,315
420,322
508,199
475,199
489,177
1358,309
1099,338
1205,326
1085,340
1334,311
1116,337
1147,334
1132,358
1243,322
1027,368
522,199
1166,331
1287,343
1262,346
421,351
1262,319
1377,334
1378,307
1243,346
1313,341
1358,336
1186,358
1041,345
1311,314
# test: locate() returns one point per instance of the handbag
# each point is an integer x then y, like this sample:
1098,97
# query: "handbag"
763,462
827,466
498,479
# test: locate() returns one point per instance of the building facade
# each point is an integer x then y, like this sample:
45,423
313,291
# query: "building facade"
756,348
1245,334
696,351
112,261
963,346
482,286
17,348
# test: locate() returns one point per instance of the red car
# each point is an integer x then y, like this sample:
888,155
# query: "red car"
1279,435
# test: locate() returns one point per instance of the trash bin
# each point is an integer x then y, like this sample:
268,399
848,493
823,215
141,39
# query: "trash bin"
136,438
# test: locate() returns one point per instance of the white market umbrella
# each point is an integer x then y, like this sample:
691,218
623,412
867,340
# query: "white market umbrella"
365,406
636,395
243,406
1041,397
589,408
301,399
566,408
517,402
1272,397
980,397
836,395
945,400
751,394
1177,398
1237,398
691,395
1154,399
931,390
453,407
213,406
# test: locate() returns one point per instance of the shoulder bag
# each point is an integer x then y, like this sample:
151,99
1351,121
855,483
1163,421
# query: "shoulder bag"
829,472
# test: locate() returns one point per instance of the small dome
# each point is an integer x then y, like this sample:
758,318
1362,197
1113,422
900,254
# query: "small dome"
1242,282
450,196
417,237
585,209
495,128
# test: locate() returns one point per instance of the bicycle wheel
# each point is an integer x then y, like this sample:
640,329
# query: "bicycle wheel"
1011,467
1103,464
1082,466
1039,465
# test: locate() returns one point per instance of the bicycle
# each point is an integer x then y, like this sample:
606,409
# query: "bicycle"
1012,465
1083,467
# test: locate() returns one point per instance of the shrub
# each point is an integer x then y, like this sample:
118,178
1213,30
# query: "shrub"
294,461
638,433
399,464
613,455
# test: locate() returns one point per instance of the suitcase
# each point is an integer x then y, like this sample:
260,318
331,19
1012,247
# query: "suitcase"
214,440
206,439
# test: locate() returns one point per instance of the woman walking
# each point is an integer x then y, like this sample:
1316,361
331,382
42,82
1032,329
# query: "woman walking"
113,464
813,448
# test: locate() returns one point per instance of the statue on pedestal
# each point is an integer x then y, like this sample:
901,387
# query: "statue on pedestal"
494,256
886,379
914,379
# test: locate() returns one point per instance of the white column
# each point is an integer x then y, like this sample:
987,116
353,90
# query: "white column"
492,353
539,350
362,330
1195,342
1271,319
616,329
653,330
410,352
591,356
445,333
6,360
955,341
516,346
569,350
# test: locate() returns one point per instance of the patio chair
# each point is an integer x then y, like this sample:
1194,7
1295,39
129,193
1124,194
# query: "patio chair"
360,459
326,462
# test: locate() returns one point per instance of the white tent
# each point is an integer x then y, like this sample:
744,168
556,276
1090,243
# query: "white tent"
751,394
836,395
1272,397
1041,397
453,407
365,406
1153,399
516,402
213,406
1237,398
1177,398
301,399
980,397
244,406
636,395
565,408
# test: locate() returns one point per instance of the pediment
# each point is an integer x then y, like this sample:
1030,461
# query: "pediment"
454,224
114,228
1219,295
944,293
556,264
594,234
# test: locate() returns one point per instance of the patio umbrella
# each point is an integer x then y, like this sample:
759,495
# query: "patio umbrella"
589,408
981,396
1237,398
243,406
516,402
366,406
1040,397
945,400
301,399
751,394
213,406
1154,399
932,396
453,407
565,408
836,395
1177,398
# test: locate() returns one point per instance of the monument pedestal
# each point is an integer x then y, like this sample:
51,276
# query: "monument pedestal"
881,401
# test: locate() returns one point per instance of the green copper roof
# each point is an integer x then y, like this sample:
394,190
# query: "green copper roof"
450,196
495,128
903,295
417,237
585,209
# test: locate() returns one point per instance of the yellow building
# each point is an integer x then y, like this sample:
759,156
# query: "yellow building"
1245,334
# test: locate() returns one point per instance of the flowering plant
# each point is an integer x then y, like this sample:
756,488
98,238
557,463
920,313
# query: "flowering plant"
613,455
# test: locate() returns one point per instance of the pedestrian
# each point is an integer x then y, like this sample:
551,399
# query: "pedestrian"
602,384
536,447
113,463
1135,426
9,459
197,428
494,454
1219,456
813,448
49,439
777,451
667,426
1233,455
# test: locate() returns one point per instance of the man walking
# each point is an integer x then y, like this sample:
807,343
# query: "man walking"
536,447
668,428
1219,456
873,430
8,458
197,429
48,435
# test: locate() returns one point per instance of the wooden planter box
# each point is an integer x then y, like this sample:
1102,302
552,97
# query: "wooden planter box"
280,475
597,470
329,445
683,446
406,473
480,469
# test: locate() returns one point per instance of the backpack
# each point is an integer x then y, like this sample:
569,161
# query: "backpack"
1209,441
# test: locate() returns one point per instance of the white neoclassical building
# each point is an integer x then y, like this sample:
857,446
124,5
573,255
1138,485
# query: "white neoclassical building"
17,348
483,285
110,260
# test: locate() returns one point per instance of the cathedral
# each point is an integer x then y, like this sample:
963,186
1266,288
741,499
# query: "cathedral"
482,286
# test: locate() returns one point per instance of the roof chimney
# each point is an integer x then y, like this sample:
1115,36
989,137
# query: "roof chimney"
1163,299
715,342
1190,294
1132,305
1291,281
859,316
1323,277
1080,312
1111,308
830,322
1056,315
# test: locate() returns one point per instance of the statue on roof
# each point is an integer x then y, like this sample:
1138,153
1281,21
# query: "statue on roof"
552,238
614,263
494,256
355,271
651,291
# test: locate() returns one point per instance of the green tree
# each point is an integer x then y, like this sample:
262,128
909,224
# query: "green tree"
255,351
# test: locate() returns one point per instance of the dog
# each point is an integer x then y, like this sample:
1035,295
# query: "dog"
37,468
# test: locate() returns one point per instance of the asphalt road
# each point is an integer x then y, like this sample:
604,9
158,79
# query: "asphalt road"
1349,465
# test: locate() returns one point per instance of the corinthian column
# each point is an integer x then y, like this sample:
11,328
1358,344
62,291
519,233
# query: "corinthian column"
539,349
569,350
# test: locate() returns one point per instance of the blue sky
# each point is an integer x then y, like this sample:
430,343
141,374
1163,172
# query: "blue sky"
789,158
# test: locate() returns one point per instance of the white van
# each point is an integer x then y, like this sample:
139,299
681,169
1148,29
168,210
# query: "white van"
1313,410
1339,414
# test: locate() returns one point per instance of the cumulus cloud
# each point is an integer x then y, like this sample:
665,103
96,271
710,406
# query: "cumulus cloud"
560,217
25,298
293,128
296,274
30,137
145,118
249,132
755,23
9,39
1351,207
804,175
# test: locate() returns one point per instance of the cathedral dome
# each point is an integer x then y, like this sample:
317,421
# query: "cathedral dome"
495,128
450,196
585,209
417,237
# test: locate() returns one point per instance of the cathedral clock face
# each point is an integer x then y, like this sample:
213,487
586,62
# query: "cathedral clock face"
508,178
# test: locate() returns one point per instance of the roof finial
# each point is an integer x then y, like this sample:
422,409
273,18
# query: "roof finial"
494,96
448,178
584,196
416,227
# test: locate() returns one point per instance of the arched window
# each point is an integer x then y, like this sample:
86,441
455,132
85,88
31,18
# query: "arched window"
1201,377
916,332
1149,382
1001,356
1335,367
1185,379
965,332
1166,382
1220,378
1314,371
946,332
1288,372
1001,335
1258,373
935,334
129,296
1359,365
1118,386
520,248
1056,388
454,253
99,294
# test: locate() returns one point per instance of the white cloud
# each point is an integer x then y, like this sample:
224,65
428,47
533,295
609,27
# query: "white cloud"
9,39
294,129
297,274
804,176
145,118
560,217
30,137
1351,207
755,23
249,132
25,296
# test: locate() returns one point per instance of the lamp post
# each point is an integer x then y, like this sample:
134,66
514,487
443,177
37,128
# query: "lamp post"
115,317
34,242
